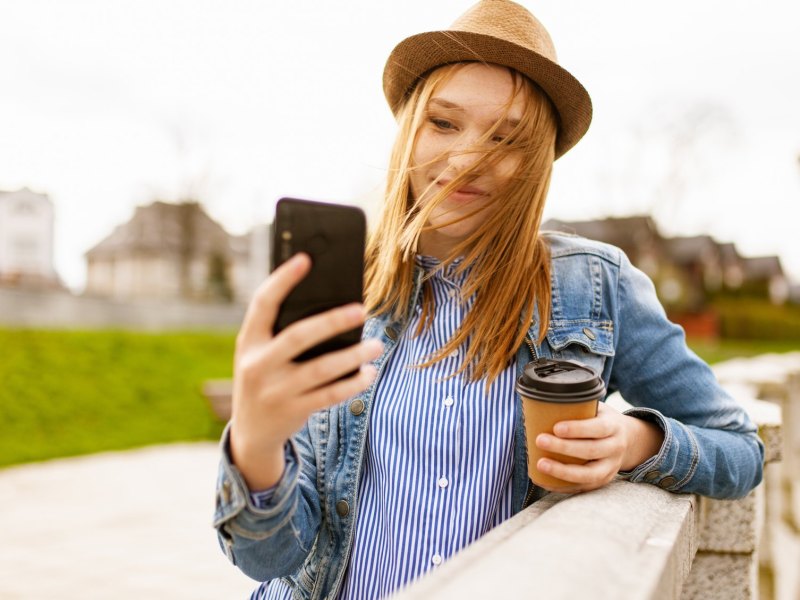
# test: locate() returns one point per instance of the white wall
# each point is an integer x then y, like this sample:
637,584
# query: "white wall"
26,234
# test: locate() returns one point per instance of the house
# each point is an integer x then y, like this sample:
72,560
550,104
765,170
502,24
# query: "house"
26,240
637,236
170,251
732,266
764,276
698,269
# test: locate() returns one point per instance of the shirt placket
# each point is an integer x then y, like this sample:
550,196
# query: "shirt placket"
448,405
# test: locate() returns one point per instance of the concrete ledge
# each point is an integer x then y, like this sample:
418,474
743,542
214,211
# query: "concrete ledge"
768,416
624,541
728,576
732,526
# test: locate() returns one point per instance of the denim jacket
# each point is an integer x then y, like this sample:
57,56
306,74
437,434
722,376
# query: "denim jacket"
605,314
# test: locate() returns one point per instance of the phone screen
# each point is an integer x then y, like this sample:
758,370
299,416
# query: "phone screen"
333,235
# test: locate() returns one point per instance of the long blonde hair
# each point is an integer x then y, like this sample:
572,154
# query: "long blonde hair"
508,262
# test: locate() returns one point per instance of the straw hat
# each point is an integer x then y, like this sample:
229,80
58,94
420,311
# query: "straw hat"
500,32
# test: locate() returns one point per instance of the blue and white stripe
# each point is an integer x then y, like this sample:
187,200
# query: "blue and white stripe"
439,458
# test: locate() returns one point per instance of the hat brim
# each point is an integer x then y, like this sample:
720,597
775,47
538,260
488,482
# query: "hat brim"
418,54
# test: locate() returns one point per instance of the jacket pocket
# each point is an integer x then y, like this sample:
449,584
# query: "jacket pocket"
584,340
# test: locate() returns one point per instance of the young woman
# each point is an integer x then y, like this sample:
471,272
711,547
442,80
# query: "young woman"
351,488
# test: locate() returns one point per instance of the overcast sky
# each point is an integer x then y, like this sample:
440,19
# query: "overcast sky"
107,105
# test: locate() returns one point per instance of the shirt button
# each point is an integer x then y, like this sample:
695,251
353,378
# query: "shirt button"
454,354
442,482
451,293
357,407
436,559
589,333
391,333
449,401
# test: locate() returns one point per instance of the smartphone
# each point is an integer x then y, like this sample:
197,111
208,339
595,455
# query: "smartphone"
333,235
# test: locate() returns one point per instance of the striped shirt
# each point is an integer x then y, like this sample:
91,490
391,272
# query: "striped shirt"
439,458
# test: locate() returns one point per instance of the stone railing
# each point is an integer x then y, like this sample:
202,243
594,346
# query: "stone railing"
775,378
636,541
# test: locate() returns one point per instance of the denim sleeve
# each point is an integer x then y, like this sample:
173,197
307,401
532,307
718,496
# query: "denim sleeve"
269,541
710,444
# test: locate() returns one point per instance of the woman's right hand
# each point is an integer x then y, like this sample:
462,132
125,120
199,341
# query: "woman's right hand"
274,396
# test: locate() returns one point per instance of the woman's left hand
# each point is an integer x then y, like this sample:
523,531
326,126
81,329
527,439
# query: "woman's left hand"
610,442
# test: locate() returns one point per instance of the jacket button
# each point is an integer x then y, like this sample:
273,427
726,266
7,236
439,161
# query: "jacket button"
357,407
391,333
342,508
589,333
651,476
226,491
667,482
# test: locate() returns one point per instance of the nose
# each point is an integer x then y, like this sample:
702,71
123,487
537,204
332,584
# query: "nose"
463,155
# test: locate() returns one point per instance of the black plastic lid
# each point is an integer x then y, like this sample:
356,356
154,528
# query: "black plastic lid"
553,380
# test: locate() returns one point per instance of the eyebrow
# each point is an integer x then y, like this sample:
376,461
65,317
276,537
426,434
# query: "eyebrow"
453,106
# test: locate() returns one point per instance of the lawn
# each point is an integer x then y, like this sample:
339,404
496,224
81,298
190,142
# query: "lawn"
64,392
716,351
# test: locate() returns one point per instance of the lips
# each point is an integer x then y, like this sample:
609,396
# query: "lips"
464,193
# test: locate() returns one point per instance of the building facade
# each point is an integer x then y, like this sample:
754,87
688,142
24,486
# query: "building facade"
170,251
26,240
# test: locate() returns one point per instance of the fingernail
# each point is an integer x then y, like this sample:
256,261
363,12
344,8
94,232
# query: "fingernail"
369,371
297,260
560,429
543,465
374,346
356,311
542,440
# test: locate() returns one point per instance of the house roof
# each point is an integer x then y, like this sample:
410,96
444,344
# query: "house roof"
690,249
625,232
165,228
26,194
762,267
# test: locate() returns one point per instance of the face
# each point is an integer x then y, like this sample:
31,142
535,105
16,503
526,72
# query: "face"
451,139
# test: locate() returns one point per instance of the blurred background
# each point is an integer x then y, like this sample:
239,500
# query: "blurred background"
143,146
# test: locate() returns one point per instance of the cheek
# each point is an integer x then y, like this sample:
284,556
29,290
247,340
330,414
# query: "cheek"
507,168
426,149
425,153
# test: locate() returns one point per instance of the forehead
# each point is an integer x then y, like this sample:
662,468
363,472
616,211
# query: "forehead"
483,89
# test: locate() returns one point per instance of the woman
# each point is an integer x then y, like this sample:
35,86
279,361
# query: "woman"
352,488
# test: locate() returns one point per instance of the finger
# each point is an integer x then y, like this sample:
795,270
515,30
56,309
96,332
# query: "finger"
595,473
307,333
341,390
586,449
263,308
601,426
333,365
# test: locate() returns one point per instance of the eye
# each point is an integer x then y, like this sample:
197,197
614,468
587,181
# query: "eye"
442,123
503,139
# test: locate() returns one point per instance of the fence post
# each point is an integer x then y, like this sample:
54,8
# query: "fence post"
776,378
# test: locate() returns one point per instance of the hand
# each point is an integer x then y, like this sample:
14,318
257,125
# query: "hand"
610,442
274,396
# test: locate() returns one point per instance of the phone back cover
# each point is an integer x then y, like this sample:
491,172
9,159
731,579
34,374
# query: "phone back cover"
333,235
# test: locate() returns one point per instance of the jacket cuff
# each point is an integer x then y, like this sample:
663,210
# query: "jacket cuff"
234,500
676,461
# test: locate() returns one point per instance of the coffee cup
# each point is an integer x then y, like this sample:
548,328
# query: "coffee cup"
553,391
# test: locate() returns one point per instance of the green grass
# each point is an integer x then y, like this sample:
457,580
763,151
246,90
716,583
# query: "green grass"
65,393
717,351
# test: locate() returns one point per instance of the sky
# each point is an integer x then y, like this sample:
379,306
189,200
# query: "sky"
109,105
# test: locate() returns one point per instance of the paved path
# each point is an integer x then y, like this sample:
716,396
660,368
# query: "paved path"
123,525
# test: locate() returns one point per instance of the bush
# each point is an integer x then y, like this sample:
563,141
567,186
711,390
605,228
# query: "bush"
757,319
64,392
